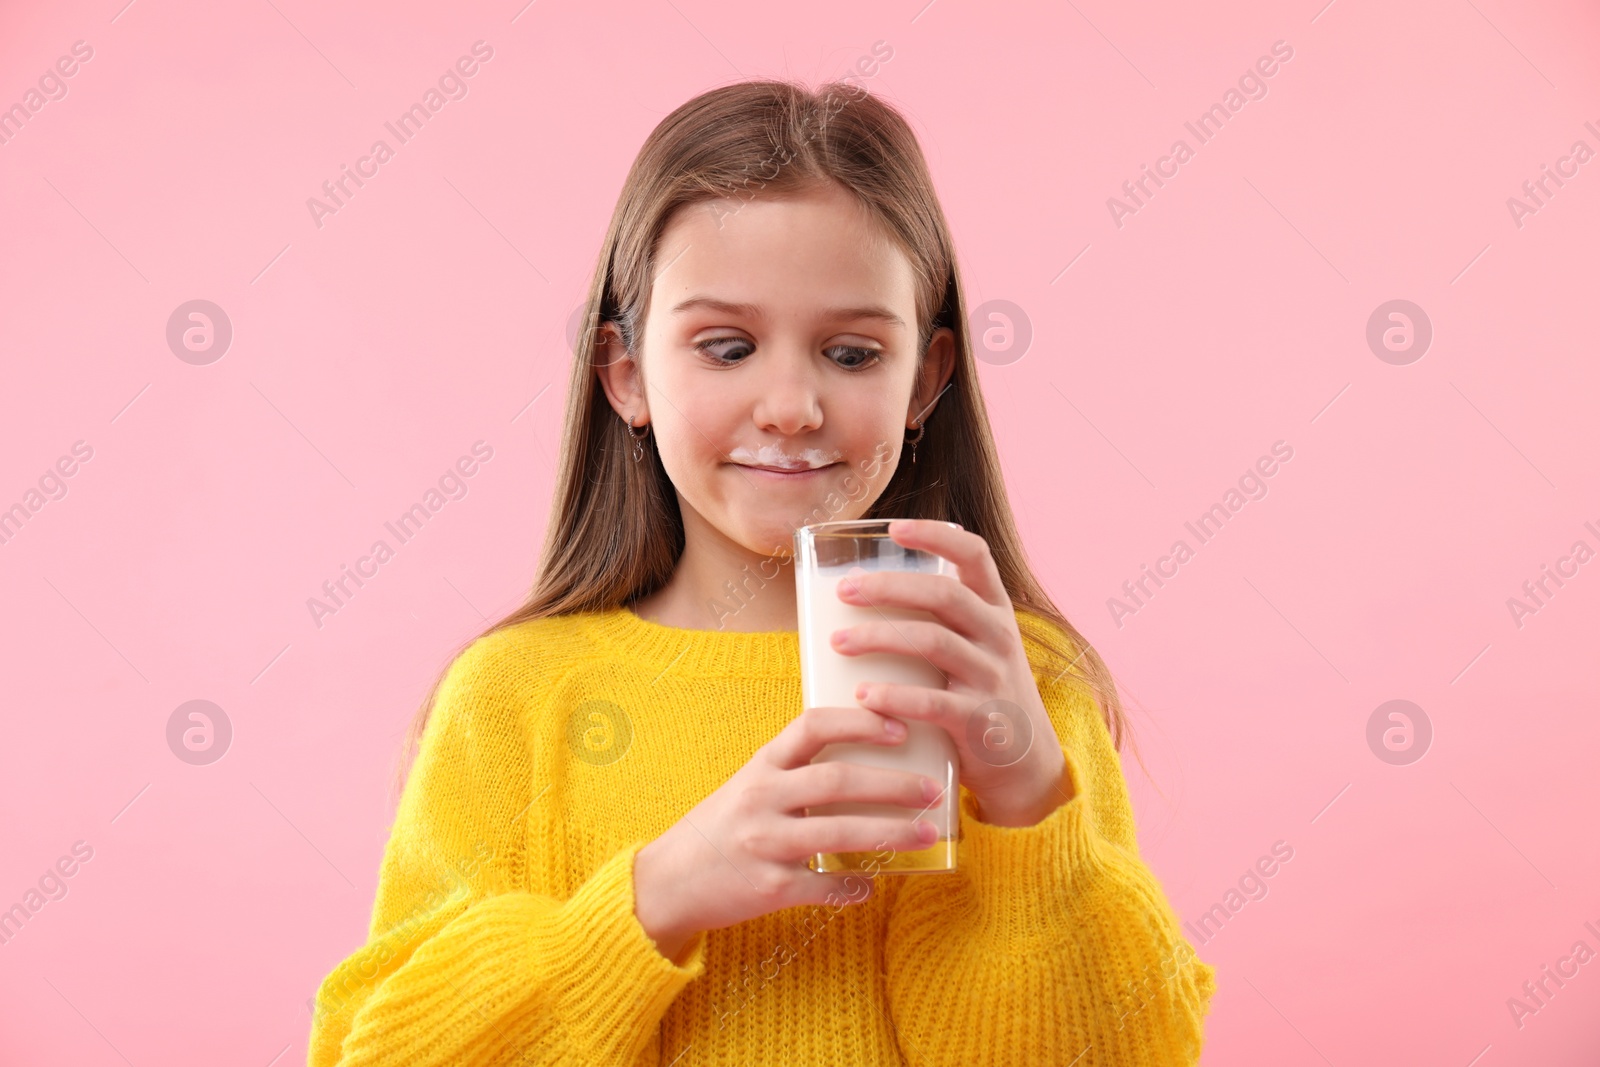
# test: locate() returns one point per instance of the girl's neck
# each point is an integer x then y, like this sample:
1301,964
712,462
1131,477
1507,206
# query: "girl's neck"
724,587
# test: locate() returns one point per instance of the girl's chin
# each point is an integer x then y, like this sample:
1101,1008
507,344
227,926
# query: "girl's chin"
759,528
775,545
772,534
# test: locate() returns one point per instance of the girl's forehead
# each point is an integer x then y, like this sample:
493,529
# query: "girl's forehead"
778,254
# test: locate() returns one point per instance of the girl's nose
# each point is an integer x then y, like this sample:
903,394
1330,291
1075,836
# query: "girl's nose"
790,401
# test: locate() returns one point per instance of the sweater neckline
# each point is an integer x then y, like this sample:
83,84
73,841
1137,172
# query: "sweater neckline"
769,653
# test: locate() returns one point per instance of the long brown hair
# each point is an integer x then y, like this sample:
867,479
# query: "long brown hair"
616,533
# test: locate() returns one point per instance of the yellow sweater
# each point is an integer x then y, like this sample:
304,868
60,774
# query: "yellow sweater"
504,932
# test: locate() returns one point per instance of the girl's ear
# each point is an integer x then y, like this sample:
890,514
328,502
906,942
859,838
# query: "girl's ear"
933,377
619,375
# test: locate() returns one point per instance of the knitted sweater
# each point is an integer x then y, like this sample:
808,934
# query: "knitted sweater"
504,931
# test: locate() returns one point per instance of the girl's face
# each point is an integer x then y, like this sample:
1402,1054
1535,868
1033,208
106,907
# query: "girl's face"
780,333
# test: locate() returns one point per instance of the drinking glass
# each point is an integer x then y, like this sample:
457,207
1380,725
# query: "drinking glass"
824,553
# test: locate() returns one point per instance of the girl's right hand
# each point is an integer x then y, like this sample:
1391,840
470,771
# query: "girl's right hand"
743,851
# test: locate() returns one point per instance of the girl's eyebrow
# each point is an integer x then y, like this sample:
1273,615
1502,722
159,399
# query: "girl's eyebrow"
752,311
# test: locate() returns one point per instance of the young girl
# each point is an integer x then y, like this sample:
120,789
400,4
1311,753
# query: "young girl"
602,854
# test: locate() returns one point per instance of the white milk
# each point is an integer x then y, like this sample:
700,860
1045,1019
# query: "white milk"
829,679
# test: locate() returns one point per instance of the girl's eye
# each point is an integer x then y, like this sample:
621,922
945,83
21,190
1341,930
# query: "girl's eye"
716,355
866,357
862,357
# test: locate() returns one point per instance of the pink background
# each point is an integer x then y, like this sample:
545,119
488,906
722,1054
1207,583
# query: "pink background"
1229,313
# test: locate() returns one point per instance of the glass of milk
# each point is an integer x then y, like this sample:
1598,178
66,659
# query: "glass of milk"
824,553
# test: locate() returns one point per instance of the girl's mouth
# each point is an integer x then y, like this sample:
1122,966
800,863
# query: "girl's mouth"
779,474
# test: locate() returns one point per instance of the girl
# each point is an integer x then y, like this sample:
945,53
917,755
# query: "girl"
601,855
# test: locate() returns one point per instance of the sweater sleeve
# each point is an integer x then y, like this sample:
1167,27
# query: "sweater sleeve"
464,962
1050,943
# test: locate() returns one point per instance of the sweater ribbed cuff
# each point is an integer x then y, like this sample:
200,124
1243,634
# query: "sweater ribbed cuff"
1031,882
615,985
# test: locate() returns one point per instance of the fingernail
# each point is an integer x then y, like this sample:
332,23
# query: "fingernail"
895,728
926,831
930,789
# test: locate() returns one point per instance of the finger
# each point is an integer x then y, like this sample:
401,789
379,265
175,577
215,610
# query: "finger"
952,655
816,728
797,839
952,603
967,550
840,780
938,707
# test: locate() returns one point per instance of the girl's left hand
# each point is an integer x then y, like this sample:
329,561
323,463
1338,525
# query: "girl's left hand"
1011,758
